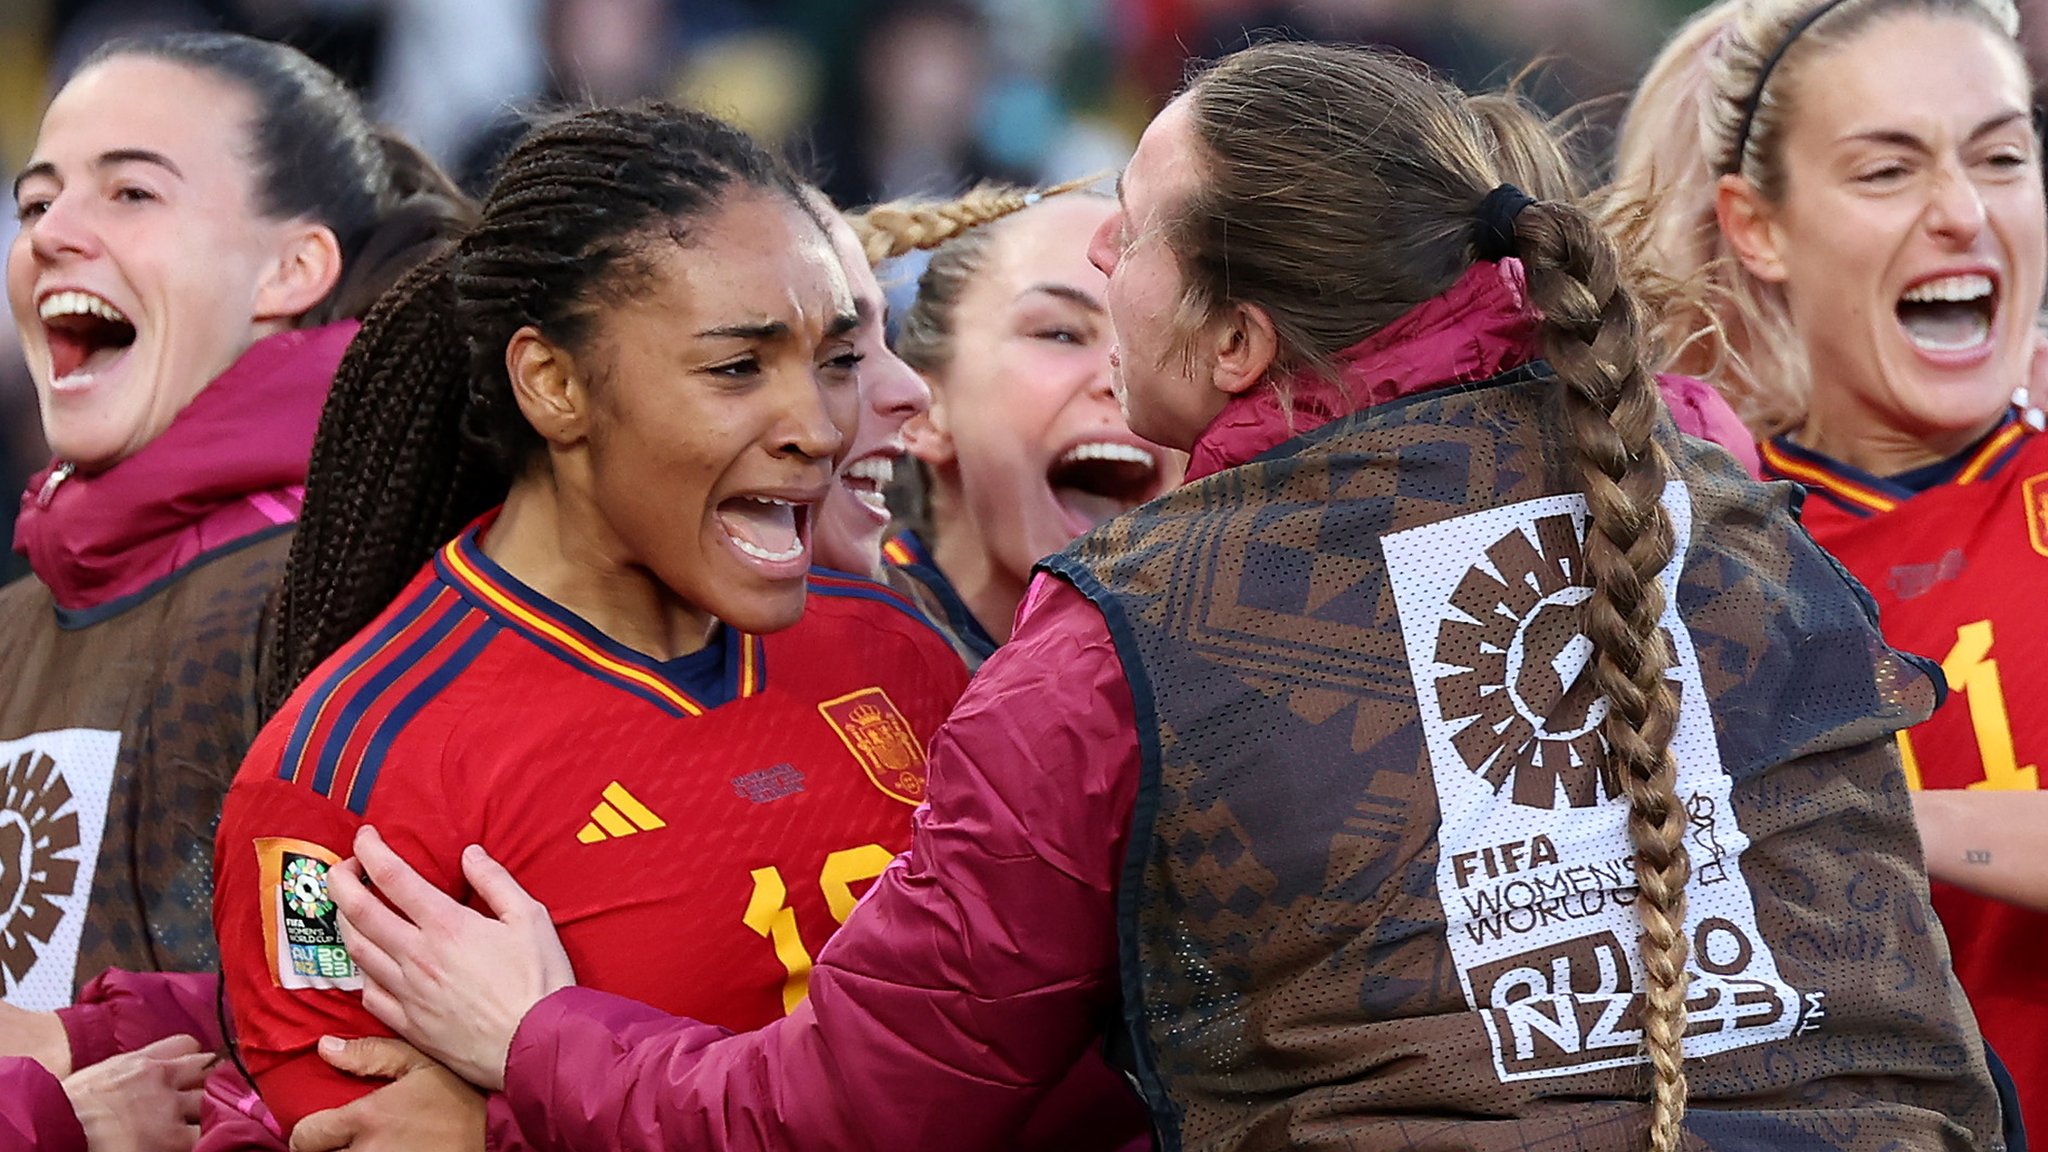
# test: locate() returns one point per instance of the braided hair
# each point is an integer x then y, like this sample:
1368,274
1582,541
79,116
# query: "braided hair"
421,433
1340,250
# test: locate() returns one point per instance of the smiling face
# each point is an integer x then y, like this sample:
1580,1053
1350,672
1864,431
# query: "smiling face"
723,388
855,516
1910,237
143,268
1032,442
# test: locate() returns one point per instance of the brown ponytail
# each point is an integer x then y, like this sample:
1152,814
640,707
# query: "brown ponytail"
1346,246
1592,337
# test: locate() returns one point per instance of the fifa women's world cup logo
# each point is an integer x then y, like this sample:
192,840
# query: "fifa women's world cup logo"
38,838
1526,695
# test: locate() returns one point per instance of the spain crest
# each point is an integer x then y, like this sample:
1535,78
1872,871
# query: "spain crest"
2035,492
872,728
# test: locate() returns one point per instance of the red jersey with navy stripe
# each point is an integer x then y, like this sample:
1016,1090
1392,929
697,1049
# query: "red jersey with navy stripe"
1957,570
697,827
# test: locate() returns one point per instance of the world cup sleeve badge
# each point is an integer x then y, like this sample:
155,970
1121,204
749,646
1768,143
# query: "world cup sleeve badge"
874,730
299,931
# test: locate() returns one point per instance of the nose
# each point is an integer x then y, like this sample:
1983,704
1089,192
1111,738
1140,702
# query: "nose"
62,230
1102,246
815,417
896,391
1956,211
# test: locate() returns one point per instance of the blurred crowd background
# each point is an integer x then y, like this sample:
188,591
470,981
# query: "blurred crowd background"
875,98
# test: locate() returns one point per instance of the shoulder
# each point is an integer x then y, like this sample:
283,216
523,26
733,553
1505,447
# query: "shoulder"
390,694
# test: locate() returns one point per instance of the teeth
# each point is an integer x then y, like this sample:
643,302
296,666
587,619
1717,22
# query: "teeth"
79,304
1951,290
1121,453
879,470
795,550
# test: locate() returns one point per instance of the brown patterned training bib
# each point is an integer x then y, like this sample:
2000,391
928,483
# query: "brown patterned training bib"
1380,892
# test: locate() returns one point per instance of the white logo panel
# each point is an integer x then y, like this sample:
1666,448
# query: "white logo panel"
53,810
1535,870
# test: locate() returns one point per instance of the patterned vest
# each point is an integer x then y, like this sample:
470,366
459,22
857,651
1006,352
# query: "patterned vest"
1379,893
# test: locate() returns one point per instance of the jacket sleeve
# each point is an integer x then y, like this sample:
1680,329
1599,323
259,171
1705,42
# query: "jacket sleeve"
121,1011
971,979
35,1115
233,1118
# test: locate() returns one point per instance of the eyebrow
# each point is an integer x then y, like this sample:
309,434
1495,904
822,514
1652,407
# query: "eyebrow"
1904,139
841,324
1065,292
103,160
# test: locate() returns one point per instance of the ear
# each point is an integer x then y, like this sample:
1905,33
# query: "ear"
927,435
551,392
1747,222
1245,346
307,267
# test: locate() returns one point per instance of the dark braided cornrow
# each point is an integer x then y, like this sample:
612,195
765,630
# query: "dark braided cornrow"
422,433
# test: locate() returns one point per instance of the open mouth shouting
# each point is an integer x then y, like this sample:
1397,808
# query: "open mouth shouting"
771,532
86,336
1098,480
1951,318
868,479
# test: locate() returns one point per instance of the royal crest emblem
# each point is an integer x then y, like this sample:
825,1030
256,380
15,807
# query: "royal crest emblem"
2035,493
874,730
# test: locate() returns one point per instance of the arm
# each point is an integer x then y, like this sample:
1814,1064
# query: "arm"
975,972
35,1113
280,1014
123,1011
1987,842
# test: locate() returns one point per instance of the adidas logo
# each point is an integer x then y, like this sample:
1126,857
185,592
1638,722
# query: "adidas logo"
618,814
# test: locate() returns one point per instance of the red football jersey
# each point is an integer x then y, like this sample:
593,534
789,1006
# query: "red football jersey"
1954,570
697,827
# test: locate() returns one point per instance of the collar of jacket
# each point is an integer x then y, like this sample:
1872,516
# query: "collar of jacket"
1482,326
231,464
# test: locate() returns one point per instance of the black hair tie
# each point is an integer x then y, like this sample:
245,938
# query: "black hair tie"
1496,239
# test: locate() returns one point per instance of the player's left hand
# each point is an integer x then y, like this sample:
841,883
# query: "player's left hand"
451,980
425,1107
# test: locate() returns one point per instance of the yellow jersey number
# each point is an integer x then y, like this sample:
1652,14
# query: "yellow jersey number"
1970,670
769,913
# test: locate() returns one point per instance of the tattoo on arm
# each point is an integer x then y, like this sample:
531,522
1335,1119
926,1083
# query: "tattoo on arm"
1977,855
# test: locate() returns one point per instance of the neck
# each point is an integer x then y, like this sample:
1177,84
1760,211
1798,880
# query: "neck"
963,557
1882,449
559,546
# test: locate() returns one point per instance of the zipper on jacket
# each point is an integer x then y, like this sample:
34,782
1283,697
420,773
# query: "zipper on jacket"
58,476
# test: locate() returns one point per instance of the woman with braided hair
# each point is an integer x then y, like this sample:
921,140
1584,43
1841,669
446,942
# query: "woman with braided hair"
602,422
1858,264
1460,759
1024,448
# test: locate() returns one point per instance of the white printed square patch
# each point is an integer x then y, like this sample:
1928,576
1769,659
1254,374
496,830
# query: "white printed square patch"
1535,869
299,931
54,788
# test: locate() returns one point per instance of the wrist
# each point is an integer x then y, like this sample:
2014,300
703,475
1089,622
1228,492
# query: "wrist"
40,1036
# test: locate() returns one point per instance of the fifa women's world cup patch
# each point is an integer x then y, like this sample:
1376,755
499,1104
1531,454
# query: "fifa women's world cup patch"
299,931
1535,869
875,731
